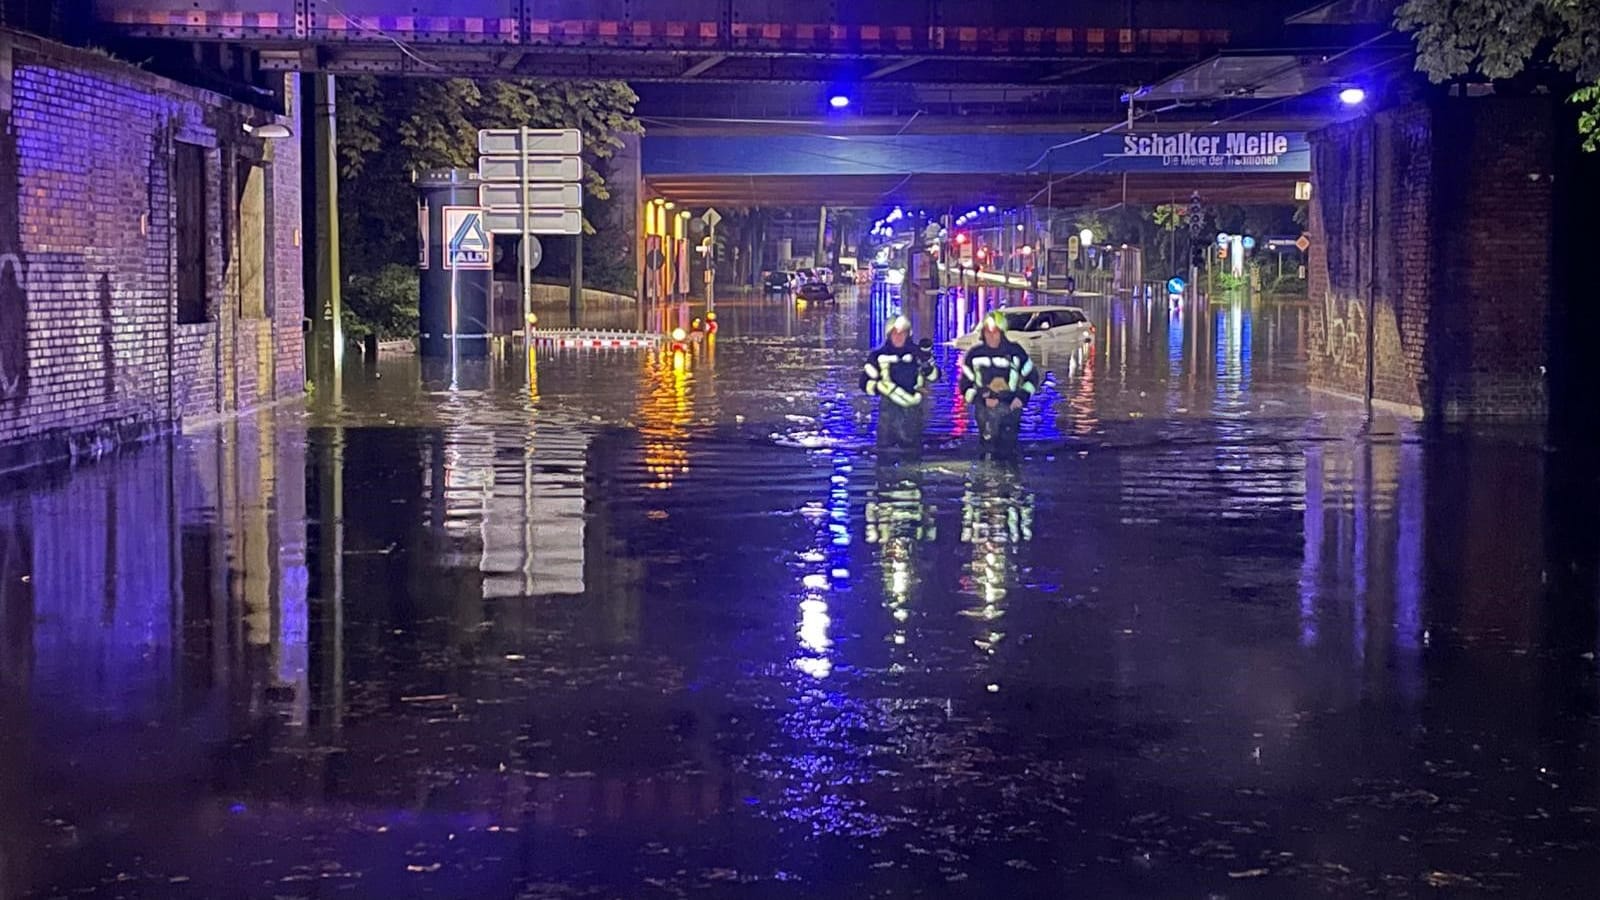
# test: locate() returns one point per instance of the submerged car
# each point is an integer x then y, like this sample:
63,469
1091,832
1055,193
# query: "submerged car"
814,291
779,281
1056,327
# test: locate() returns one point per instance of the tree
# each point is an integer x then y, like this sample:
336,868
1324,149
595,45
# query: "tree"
1503,38
391,128
1169,216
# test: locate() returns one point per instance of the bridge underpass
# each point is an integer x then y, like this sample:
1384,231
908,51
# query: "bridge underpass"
1231,62
634,622
873,169
1039,174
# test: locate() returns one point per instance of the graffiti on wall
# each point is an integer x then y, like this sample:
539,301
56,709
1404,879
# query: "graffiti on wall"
1345,333
13,272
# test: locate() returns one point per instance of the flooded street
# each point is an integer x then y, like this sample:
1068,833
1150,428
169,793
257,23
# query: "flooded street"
666,626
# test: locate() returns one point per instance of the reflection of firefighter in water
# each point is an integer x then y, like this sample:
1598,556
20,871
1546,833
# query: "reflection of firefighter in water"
996,516
997,380
897,371
898,520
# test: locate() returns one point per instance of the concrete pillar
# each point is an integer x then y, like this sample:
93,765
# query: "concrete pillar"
325,306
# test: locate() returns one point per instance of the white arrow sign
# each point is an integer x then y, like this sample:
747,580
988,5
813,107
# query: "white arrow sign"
540,168
540,196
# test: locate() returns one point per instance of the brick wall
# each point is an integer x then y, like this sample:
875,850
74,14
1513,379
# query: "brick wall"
1494,254
1456,253
91,351
1356,244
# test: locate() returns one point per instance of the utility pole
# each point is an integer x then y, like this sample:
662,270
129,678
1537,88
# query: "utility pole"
822,236
327,322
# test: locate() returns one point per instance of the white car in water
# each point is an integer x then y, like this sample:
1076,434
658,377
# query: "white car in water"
1045,327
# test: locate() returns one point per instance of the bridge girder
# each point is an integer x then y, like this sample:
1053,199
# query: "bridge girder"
920,41
938,191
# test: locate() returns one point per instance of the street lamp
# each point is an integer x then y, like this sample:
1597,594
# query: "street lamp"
1352,96
271,131
1086,237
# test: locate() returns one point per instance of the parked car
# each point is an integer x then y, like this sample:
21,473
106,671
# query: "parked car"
1053,327
815,292
779,282
845,273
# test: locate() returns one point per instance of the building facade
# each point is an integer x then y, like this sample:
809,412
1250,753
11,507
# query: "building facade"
150,262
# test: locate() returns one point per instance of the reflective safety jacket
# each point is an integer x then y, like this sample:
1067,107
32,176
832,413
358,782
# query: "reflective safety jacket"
898,374
1004,373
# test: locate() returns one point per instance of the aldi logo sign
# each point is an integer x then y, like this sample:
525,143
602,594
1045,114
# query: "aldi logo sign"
468,246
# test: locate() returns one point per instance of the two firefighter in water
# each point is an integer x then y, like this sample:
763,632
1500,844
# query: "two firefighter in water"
997,381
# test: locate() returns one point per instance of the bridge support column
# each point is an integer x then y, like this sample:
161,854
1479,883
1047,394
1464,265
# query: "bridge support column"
325,306
1431,258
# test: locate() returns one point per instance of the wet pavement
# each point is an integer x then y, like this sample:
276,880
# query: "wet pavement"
663,626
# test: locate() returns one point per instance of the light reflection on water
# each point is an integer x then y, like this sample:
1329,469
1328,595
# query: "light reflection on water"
661,612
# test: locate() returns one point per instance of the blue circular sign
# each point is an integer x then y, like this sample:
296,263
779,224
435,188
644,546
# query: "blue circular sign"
1175,285
1249,242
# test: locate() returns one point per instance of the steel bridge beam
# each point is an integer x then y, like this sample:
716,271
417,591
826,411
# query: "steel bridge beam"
943,41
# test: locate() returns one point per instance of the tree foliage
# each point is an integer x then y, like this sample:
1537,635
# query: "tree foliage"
1168,216
390,128
1503,38
382,303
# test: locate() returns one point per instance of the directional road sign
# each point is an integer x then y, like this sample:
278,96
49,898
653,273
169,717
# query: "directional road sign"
541,142
533,185
542,196
540,168
712,217
540,221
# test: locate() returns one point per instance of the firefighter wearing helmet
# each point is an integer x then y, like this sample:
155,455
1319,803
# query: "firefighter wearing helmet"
997,381
897,371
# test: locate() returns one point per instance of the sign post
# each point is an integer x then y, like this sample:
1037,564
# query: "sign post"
711,218
1196,225
532,185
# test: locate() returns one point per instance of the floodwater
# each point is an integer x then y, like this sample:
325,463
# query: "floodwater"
666,626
